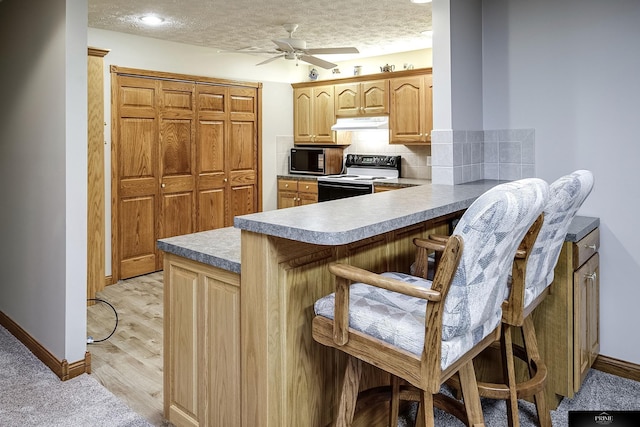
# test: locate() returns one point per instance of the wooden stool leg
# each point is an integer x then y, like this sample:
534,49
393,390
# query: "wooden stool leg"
470,395
425,414
531,348
508,365
420,417
349,394
394,407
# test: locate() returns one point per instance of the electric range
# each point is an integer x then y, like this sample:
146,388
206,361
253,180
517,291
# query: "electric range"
362,171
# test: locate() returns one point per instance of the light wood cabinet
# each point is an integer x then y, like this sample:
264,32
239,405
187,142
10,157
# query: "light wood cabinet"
296,192
410,110
405,96
313,115
586,282
362,98
567,320
202,344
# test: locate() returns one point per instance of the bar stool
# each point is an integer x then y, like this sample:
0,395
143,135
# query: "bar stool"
423,331
529,284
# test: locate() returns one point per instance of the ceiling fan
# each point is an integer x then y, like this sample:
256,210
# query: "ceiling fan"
291,48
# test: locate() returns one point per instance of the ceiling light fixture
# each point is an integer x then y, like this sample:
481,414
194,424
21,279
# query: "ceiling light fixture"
152,20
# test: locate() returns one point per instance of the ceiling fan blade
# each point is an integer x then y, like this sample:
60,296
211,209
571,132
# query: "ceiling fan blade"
284,46
331,50
317,61
273,58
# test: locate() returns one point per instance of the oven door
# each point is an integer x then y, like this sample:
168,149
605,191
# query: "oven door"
340,190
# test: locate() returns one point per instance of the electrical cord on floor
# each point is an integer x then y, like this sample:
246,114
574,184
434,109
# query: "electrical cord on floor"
90,339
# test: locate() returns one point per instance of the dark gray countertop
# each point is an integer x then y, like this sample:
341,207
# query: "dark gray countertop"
344,221
218,248
580,227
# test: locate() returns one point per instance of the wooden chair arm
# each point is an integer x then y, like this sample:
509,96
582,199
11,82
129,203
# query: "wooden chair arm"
433,245
439,238
356,274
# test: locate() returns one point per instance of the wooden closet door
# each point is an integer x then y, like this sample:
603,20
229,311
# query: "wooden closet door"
243,153
212,110
136,192
177,207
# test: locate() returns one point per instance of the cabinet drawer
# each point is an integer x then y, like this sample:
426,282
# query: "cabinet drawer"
308,187
585,248
287,185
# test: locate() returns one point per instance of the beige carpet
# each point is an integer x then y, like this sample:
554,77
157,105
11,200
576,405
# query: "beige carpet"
32,395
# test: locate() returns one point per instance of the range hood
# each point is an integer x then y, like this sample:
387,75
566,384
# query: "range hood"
361,123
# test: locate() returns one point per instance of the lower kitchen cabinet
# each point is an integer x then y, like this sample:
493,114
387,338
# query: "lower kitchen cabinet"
201,344
567,321
296,192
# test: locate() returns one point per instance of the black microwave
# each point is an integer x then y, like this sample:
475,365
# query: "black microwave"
315,161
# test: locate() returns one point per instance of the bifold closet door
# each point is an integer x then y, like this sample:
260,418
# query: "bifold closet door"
155,169
137,176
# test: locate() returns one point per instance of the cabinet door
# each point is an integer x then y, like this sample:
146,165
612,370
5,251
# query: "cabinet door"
307,192
182,388
410,112
375,97
220,349
586,318
347,102
302,114
323,115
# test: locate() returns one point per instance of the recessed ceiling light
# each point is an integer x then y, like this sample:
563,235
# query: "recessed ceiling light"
421,1
152,20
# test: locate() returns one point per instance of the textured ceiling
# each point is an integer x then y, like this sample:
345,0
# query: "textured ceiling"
375,27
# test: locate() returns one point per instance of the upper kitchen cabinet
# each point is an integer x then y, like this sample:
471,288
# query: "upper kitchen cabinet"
370,98
411,109
313,115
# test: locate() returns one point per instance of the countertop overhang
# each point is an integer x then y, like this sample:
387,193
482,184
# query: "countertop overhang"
345,221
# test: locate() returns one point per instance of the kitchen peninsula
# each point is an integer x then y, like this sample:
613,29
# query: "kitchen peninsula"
238,347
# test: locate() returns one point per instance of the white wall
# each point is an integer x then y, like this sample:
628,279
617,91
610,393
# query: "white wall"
43,152
570,70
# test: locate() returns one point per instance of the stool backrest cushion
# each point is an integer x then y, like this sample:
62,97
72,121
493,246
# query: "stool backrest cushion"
566,195
492,229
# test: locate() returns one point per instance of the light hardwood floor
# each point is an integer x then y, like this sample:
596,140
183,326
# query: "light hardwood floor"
129,364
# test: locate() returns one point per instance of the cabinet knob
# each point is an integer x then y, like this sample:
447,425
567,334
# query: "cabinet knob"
163,185
225,180
593,246
306,187
593,276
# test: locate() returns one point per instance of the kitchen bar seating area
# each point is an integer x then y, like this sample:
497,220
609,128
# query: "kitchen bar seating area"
424,332
261,280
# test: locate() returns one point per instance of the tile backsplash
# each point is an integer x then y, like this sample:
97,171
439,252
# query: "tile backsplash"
465,156
416,160
458,156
